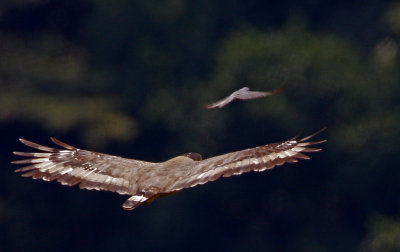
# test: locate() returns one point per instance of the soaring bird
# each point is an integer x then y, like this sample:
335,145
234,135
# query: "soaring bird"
146,181
242,94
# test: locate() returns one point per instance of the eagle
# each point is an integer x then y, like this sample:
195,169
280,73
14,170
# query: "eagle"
242,94
146,181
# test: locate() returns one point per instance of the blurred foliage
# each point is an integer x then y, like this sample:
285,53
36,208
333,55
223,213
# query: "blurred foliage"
392,17
384,234
97,73
43,81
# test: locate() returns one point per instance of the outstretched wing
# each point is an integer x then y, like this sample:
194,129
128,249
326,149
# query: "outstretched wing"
147,181
71,166
242,94
256,159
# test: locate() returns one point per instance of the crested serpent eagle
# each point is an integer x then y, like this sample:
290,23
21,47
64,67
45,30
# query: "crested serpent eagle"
145,181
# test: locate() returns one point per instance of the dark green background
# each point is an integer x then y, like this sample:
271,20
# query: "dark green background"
130,78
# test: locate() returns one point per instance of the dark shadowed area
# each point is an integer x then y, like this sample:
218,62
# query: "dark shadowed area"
131,78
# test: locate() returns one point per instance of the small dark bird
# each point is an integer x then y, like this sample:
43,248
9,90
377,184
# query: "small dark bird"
146,181
243,94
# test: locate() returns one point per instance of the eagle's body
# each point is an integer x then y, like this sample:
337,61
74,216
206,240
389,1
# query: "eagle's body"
146,181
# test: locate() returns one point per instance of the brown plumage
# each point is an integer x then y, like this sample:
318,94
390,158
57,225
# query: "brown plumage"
242,94
146,181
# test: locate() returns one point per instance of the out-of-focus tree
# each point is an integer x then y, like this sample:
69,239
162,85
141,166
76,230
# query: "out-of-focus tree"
45,79
383,235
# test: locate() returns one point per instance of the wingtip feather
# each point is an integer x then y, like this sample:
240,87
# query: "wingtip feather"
278,90
62,144
312,135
